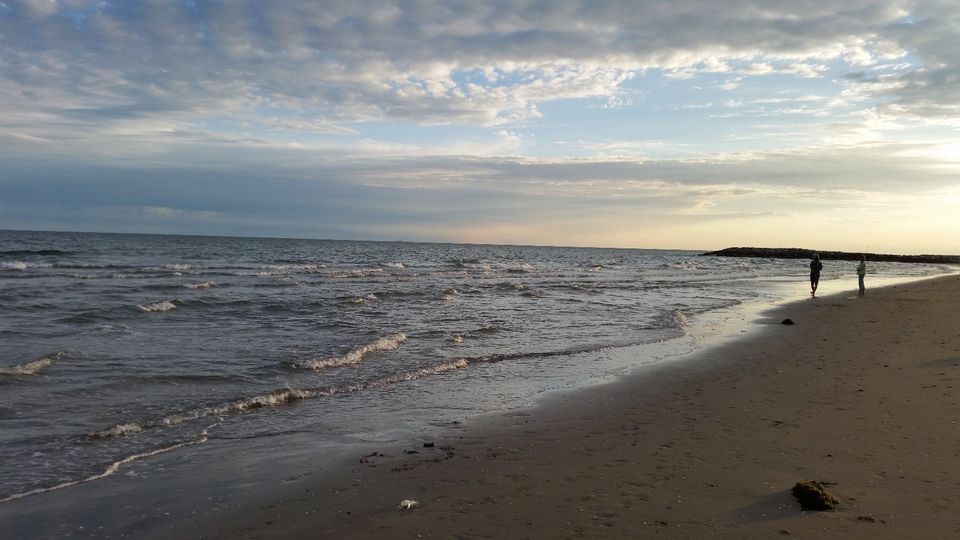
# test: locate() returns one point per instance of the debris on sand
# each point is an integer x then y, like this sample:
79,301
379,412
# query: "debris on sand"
407,504
812,496
787,321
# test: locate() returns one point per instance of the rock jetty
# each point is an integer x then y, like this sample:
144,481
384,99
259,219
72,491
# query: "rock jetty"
803,253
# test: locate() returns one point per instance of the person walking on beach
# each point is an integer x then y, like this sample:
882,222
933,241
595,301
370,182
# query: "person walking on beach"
861,272
815,267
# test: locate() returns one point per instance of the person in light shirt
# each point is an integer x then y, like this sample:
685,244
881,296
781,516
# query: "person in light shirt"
861,272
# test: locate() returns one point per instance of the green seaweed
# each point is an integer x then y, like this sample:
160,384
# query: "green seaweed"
812,496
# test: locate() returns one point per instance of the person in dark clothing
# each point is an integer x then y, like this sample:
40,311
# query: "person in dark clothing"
815,267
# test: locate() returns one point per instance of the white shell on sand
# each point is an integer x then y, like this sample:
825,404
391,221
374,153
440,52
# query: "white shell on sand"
407,504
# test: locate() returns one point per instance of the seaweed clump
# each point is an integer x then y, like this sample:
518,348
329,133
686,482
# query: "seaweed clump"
812,496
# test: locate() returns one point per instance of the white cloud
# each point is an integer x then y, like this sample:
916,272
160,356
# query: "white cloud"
713,65
805,70
732,84
757,69
363,61
178,213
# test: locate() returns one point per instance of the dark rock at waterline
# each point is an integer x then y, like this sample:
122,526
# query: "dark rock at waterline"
787,321
812,496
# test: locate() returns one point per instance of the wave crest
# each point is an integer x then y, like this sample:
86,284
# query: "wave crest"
459,363
166,305
280,398
270,399
22,265
387,343
32,367
118,430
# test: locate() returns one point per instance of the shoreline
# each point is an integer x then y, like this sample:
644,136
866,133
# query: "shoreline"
860,394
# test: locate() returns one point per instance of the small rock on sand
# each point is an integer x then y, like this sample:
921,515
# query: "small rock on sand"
813,496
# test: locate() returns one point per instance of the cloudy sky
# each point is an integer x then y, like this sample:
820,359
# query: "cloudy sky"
638,123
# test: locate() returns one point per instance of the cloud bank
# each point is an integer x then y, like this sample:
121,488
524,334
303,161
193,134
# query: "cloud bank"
390,119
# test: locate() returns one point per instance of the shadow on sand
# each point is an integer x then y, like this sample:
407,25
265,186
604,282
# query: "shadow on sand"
780,505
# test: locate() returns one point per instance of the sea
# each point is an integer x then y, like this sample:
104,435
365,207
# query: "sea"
122,349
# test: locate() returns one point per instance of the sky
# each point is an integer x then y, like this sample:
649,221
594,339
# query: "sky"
691,124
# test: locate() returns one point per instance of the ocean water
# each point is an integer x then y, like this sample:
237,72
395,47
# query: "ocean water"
119,348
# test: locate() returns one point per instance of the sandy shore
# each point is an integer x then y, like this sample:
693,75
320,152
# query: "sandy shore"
860,393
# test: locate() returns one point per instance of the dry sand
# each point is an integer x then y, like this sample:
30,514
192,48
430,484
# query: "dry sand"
860,393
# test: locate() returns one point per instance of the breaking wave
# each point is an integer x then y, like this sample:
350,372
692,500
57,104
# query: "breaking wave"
32,367
270,399
22,265
115,466
204,285
364,299
287,396
387,343
166,305
276,398
118,430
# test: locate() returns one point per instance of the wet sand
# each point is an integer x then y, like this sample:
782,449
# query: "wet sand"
860,393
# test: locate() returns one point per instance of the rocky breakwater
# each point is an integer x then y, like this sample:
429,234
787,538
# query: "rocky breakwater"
803,253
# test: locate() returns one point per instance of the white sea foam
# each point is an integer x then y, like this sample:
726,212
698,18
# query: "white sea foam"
204,285
13,265
270,399
119,430
404,376
289,395
32,367
397,265
115,466
686,265
166,305
387,343
22,265
459,363
265,273
357,273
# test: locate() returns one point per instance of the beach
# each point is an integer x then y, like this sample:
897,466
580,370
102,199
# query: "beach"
860,394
